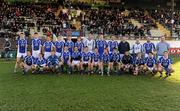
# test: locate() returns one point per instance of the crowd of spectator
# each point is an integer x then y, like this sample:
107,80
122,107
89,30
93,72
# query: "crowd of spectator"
80,16
164,16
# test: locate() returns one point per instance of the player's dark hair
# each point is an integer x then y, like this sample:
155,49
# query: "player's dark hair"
150,52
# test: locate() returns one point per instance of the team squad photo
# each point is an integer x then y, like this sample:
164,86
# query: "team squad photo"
90,56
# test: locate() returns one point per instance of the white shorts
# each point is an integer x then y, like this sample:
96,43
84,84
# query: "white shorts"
27,67
75,62
58,54
35,54
85,62
47,54
150,68
43,65
19,55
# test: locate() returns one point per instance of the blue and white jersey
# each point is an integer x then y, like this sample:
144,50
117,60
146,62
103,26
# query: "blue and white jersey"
29,60
101,44
139,61
137,48
114,57
70,45
150,62
76,56
148,47
59,45
52,60
80,45
48,46
66,56
105,58
165,62
22,45
86,56
112,45
41,61
95,57
36,44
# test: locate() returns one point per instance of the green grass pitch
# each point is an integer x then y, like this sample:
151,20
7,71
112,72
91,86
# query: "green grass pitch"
88,93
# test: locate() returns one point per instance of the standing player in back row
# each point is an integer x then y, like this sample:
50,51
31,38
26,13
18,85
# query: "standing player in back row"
79,44
112,44
70,44
137,48
148,47
21,50
89,42
59,45
101,44
36,45
47,47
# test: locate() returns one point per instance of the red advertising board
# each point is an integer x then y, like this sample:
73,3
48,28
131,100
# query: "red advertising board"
174,51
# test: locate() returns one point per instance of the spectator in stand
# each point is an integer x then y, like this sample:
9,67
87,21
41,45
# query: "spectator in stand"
7,47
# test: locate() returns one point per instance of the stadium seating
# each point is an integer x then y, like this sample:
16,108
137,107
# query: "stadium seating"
41,17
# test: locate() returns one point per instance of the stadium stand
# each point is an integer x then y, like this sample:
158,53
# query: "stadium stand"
45,18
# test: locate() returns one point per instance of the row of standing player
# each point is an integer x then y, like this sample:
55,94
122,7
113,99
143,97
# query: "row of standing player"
60,51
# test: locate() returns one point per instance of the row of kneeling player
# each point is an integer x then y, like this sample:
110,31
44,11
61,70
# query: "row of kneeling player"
92,63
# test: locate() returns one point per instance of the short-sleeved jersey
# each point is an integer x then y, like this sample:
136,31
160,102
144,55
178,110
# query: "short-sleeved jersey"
52,60
29,60
139,61
66,56
137,48
114,57
148,47
36,44
59,45
40,61
105,58
76,56
165,62
80,46
86,56
112,45
48,46
22,45
101,44
127,59
95,57
90,44
70,45
150,62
